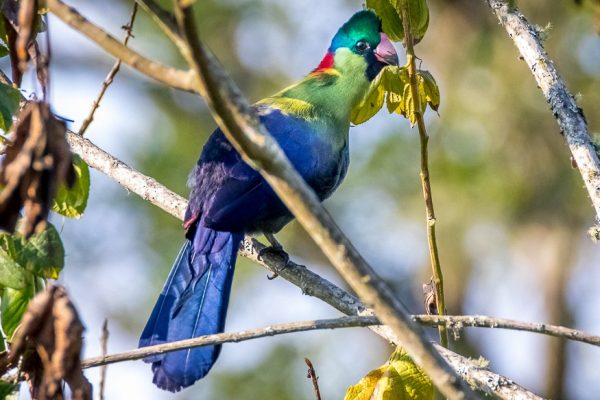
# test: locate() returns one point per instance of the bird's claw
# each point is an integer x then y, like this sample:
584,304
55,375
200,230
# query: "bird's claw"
278,252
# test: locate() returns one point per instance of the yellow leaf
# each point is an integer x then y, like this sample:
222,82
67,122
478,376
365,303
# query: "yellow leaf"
430,88
370,104
398,379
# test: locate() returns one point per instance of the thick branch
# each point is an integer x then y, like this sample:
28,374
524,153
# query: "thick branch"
165,22
475,372
140,184
568,115
175,78
310,283
239,124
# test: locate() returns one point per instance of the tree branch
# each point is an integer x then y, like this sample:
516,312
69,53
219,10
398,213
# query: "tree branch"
111,75
144,186
454,322
475,372
310,283
165,22
436,267
239,124
569,116
175,78
233,337
458,322
312,375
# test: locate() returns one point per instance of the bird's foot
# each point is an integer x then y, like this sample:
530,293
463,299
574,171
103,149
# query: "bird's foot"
429,298
276,252
276,249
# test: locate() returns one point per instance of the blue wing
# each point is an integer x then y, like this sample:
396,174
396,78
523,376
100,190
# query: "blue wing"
232,196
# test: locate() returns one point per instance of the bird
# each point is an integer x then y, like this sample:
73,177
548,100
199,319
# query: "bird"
228,199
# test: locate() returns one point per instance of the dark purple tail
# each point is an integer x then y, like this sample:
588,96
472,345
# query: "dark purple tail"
192,303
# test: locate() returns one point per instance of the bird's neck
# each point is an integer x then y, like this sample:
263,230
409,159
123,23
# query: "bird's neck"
327,94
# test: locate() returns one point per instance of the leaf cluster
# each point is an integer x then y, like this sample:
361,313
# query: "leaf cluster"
392,87
38,174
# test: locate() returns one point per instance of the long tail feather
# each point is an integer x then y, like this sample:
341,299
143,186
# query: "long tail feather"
192,303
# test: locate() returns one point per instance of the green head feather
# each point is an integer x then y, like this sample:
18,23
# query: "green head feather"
364,25
329,93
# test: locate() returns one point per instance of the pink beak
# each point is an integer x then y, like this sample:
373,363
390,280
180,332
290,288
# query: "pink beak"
385,52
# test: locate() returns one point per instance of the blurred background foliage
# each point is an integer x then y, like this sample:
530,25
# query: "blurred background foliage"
512,212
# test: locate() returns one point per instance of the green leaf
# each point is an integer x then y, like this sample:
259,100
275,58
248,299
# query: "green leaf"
9,391
398,379
71,202
12,275
9,105
3,52
3,35
390,18
390,12
14,304
419,17
43,254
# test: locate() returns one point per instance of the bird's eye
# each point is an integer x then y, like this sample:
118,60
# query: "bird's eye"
362,45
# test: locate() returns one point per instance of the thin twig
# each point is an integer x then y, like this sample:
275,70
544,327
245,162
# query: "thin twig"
172,77
454,322
257,147
569,116
233,337
104,348
312,375
111,75
458,322
310,283
438,277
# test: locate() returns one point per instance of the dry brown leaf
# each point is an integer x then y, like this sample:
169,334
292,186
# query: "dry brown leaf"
49,341
37,161
27,15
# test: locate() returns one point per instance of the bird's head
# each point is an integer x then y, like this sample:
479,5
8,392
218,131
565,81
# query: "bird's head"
360,46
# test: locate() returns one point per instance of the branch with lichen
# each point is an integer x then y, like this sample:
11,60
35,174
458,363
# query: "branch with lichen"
569,116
